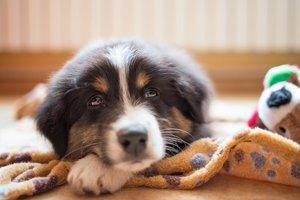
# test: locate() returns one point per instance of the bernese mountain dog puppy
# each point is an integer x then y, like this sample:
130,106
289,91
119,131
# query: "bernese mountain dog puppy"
119,106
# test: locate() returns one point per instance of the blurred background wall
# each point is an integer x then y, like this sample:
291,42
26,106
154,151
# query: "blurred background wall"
236,40
204,25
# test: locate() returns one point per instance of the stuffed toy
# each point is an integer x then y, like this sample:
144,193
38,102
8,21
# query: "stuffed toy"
279,105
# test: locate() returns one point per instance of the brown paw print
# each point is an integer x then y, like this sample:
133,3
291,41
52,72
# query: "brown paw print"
173,181
258,159
271,173
295,170
150,171
198,161
275,161
44,184
199,184
226,166
3,156
239,155
22,157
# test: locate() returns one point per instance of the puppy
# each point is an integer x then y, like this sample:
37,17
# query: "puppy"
119,106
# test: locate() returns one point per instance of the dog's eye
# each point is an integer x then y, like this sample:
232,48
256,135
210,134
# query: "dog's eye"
96,101
151,93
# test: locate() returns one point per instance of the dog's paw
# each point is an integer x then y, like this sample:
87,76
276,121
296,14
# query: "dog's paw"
89,175
85,176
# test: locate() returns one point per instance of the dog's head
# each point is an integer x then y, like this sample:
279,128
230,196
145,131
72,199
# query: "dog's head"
129,102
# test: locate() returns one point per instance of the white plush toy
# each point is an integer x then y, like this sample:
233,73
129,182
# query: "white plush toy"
279,105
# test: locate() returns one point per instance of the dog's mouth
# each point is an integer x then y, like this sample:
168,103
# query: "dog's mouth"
128,162
136,159
135,165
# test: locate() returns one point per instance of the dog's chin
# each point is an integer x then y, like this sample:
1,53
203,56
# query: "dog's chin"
131,164
134,165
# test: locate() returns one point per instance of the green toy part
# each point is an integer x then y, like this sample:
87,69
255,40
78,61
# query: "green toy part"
279,74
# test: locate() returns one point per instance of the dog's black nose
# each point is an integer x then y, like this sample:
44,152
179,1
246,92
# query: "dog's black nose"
279,97
134,140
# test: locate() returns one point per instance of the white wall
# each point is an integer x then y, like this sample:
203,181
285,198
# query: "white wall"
205,25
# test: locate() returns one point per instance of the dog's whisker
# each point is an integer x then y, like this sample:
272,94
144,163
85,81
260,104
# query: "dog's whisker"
173,141
177,129
173,137
164,120
174,144
81,149
172,149
174,133
177,140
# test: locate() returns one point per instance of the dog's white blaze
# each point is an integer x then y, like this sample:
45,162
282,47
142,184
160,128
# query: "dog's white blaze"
124,89
121,56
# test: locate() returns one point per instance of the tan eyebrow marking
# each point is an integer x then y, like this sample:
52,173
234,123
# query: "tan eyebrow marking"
101,84
142,80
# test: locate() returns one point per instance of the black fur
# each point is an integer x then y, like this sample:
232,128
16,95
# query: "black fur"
51,119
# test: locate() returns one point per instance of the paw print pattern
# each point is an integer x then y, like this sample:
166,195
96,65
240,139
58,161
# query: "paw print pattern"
149,172
199,183
226,166
271,173
198,161
295,170
275,161
22,157
3,156
44,184
10,158
173,181
239,155
258,159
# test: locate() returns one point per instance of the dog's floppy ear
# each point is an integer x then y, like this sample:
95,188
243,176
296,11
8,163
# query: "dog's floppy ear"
51,121
193,96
